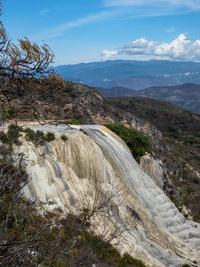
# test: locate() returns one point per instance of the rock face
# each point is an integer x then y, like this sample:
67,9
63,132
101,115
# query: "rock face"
70,173
153,168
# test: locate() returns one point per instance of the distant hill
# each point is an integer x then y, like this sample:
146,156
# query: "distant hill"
116,92
132,74
186,95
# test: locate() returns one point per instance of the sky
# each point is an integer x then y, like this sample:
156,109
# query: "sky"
95,30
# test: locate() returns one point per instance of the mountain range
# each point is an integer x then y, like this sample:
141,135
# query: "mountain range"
131,74
186,96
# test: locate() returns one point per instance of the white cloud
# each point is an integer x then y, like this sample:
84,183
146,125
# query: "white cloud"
61,29
139,46
177,49
152,8
182,49
194,4
108,54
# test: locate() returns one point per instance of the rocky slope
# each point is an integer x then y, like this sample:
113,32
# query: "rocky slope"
90,165
79,103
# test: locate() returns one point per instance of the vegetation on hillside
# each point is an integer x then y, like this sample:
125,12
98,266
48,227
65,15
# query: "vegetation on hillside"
185,95
179,149
172,121
14,132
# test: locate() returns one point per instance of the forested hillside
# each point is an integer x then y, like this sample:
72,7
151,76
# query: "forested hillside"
186,96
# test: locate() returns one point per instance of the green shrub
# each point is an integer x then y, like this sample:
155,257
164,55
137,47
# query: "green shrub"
8,114
64,138
12,135
105,252
137,142
38,137
14,132
39,134
49,137
30,134
102,249
127,260
67,90
74,121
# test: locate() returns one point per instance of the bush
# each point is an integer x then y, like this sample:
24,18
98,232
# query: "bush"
67,90
8,114
105,252
49,137
64,138
30,134
12,135
74,121
38,137
137,142
127,260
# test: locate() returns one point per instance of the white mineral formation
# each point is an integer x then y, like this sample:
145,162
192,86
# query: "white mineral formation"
93,159
153,168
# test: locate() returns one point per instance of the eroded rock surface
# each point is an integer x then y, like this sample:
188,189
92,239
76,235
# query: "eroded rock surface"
153,167
91,159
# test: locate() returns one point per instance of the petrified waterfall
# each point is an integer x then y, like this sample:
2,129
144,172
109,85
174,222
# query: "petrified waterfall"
68,173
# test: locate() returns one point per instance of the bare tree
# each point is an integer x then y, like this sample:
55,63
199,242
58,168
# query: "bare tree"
24,67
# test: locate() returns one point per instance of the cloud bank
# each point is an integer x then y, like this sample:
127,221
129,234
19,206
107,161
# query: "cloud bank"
180,49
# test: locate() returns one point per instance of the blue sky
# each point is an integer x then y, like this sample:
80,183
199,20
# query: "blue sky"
93,30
